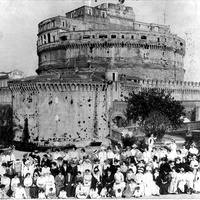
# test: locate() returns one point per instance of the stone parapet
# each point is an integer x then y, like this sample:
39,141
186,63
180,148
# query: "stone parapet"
57,86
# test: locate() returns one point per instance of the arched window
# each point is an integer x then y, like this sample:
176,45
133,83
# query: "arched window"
143,37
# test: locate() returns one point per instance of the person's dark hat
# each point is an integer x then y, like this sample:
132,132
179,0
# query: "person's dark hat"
10,163
2,186
59,158
96,160
4,165
65,162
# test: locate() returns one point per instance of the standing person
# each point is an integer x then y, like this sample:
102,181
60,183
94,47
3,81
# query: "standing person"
119,184
49,183
165,178
96,182
73,171
184,151
59,183
150,187
107,181
14,183
110,154
74,154
28,181
102,155
34,187
151,140
87,180
174,181
173,148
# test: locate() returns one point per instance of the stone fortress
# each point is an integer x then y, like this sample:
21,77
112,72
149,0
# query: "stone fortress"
89,60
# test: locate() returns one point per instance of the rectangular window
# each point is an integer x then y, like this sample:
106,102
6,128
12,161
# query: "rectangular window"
122,36
86,37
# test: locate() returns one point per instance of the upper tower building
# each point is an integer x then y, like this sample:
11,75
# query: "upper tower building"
106,35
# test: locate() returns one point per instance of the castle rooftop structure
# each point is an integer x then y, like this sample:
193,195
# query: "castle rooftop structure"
108,35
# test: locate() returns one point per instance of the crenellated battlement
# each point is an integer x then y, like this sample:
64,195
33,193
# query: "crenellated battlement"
57,86
174,84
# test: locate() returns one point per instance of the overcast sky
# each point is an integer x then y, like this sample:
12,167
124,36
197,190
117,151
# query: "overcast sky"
19,25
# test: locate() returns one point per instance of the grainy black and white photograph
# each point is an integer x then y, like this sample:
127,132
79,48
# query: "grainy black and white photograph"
99,99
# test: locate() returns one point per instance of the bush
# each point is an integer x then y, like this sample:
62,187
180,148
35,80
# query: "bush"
128,140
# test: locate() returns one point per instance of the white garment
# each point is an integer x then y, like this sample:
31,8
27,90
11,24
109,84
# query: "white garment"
20,193
193,150
28,169
5,181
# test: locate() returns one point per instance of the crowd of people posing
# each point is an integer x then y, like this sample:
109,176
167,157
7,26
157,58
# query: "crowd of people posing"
106,172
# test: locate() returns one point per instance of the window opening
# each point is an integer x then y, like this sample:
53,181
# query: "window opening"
143,37
113,36
86,37
102,36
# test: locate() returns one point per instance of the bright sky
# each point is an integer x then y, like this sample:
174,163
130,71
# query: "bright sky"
19,26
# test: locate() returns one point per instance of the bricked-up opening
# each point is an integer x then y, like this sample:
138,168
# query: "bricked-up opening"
143,37
86,37
113,36
103,36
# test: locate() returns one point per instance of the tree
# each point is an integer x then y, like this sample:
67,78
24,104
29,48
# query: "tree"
6,125
155,111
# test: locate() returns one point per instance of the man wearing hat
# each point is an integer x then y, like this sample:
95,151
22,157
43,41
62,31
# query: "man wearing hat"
35,156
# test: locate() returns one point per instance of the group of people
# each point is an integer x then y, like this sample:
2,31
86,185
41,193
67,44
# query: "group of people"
107,172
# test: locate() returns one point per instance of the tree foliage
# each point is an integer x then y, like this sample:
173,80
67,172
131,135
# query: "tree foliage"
6,125
155,111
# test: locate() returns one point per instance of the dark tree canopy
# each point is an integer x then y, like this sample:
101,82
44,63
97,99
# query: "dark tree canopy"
6,125
155,111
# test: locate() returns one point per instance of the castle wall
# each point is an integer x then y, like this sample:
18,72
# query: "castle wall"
64,113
